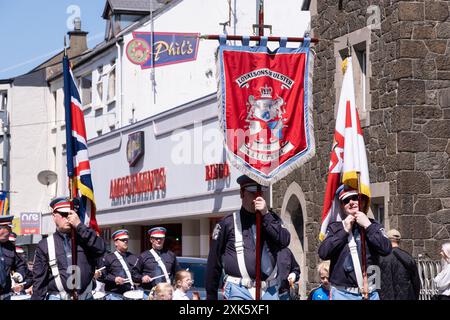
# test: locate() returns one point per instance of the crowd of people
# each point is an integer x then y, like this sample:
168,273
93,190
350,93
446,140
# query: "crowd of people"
349,270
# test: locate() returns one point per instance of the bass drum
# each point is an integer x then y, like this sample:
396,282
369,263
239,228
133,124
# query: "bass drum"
134,295
21,297
98,295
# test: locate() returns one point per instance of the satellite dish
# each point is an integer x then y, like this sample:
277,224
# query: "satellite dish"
47,177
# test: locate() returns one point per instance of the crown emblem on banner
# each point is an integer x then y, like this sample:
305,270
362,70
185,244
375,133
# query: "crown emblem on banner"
266,92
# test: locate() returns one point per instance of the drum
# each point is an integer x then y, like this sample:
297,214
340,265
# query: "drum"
134,295
98,295
21,297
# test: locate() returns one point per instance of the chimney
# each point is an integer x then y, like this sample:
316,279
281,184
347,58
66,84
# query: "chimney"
77,39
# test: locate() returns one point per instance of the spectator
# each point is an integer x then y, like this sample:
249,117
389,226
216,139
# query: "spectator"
323,291
399,275
442,280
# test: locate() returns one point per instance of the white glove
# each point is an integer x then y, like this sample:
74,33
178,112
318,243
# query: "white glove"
17,277
291,277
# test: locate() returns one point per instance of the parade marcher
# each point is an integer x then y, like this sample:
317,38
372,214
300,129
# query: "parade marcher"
118,265
342,245
9,260
442,280
323,291
157,264
399,274
183,284
233,248
53,279
289,274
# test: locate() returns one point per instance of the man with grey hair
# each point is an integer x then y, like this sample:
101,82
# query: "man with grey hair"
399,275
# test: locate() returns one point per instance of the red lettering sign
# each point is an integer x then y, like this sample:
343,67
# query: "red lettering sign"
217,171
137,183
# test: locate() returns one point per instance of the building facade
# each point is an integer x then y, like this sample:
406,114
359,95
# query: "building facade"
400,56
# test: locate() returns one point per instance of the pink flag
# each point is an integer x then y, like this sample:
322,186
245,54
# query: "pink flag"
348,154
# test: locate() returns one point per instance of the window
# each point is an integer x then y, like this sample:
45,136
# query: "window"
377,207
100,85
359,42
3,100
86,89
111,84
55,108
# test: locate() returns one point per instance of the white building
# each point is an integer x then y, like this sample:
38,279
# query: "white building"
177,113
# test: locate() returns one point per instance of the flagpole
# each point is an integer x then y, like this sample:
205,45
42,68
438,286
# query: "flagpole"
362,233
258,191
72,186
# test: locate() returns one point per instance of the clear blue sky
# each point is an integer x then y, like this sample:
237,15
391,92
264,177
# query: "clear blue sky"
31,31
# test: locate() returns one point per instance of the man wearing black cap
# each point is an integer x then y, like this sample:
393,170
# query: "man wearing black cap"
233,248
9,259
157,264
342,245
52,269
118,265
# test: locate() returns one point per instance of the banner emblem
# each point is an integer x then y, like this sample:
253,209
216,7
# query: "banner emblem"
265,109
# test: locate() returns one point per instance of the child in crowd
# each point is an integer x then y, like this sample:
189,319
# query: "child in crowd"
183,284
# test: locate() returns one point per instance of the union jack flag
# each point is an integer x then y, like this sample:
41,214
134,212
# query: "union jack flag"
4,203
78,167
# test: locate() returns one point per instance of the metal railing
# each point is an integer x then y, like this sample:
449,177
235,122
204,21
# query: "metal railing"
428,269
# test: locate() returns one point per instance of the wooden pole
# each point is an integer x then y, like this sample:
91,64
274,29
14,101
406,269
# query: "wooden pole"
362,233
73,234
256,38
258,192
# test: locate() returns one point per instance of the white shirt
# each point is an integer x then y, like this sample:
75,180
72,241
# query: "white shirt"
180,295
442,281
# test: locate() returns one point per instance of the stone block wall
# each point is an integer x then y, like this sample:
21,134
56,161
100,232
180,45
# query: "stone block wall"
408,136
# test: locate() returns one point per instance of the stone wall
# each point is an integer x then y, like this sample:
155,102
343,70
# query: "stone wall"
408,136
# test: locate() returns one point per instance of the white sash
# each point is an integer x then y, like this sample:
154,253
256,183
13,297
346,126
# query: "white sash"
54,267
355,259
125,267
160,264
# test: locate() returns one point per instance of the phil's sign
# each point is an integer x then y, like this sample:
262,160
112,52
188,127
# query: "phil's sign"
30,222
168,48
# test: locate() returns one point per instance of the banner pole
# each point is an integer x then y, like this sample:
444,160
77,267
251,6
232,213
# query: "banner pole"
362,233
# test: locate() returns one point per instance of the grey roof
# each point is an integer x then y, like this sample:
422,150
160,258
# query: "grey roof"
143,6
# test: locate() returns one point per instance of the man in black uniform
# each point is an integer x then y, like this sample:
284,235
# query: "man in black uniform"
118,265
233,249
52,269
342,245
399,274
9,260
157,264
289,274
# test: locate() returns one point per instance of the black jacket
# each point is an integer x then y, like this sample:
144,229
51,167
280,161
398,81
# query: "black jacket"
399,276
222,253
147,265
335,248
113,269
89,248
286,264
11,261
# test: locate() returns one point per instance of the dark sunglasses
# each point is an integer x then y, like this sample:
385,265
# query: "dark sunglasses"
254,189
347,200
123,240
63,214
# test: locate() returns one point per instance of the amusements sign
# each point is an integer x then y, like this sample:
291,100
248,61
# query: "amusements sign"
168,48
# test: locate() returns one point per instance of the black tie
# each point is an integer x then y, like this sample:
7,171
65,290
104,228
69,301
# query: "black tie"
68,248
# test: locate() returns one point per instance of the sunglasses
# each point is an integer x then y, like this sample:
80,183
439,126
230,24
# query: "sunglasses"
347,200
5,227
123,240
63,214
254,189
